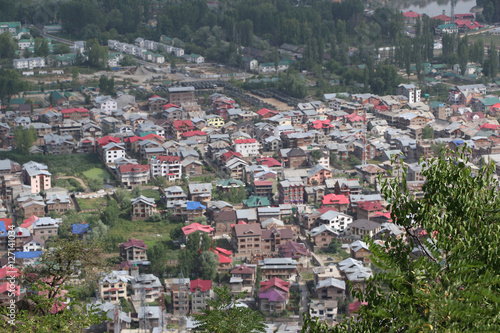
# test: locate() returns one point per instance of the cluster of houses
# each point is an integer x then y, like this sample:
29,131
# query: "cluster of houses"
458,23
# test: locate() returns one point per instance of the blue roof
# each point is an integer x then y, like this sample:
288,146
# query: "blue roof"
458,142
78,229
27,255
192,205
3,230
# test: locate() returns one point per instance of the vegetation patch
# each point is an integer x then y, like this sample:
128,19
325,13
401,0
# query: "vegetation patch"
97,173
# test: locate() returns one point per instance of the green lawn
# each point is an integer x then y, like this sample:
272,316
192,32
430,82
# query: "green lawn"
93,203
150,193
97,173
71,185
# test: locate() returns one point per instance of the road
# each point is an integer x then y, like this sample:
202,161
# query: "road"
304,298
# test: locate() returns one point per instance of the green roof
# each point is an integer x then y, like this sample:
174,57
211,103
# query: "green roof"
255,201
67,94
439,66
18,101
65,57
489,101
445,26
10,24
57,95
194,55
435,104
230,182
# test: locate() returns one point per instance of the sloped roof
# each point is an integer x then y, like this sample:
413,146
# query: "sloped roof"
203,285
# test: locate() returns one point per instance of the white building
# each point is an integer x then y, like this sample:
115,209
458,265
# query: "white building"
410,91
195,58
246,147
113,151
169,167
106,104
336,220
29,63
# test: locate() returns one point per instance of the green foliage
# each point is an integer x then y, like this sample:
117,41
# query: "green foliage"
196,259
128,61
41,47
447,281
97,55
428,132
107,85
10,82
334,247
292,84
61,49
110,214
222,316
125,305
24,138
208,265
95,184
7,46
234,196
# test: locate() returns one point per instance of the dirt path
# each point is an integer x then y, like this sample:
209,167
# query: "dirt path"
77,179
280,106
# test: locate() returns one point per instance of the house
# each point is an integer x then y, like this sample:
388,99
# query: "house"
336,220
113,286
59,203
133,250
188,210
283,268
178,289
106,104
322,236
200,192
264,188
247,147
242,278
192,167
29,63
318,174
201,291
112,151
177,127
37,176
273,296
156,103
362,228
323,310
196,227
291,191
273,238
294,158
367,210
142,208
178,95
133,174
410,91
45,227
360,251
223,221
246,239
338,201
346,186
166,166
195,58
147,287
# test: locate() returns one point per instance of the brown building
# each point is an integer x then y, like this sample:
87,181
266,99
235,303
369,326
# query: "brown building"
323,235
142,208
273,238
179,293
59,204
295,158
133,249
246,239
178,95
223,221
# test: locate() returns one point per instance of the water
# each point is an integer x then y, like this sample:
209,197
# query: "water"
434,8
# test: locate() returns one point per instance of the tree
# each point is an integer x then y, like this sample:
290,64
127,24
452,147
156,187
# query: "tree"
428,132
446,281
223,315
61,49
24,138
110,214
41,47
7,46
128,61
107,85
97,55
208,265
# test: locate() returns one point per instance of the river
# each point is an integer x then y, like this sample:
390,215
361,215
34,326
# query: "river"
434,8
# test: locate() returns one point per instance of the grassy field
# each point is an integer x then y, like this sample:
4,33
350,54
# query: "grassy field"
97,173
144,230
488,39
71,185
69,165
150,193
93,203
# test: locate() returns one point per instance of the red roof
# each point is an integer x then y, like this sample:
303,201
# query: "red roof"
29,221
6,271
179,124
153,136
203,285
489,126
242,269
170,105
155,96
381,107
193,227
353,117
442,17
335,199
387,215
168,158
318,124
354,307
264,111
133,139
275,282
73,110
227,155
223,259
133,168
6,287
244,141
262,182
134,243
323,210
7,222
107,139
269,161
223,251
193,133
370,206
465,16
411,14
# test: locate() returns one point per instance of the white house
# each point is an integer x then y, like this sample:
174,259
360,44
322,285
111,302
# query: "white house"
29,63
246,147
336,220
169,167
113,151
410,91
106,104
195,58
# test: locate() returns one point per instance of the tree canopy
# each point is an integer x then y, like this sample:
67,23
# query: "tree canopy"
445,275
24,138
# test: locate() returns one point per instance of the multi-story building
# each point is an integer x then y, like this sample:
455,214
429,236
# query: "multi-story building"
176,128
323,235
336,220
37,176
142,208
291,191
113,287
133,250
132,175
106,104
247,147
283,268
246,239
112,151
179,293
273,296
200,192
45,227
264,188
147,287
331,289
410,91
166,166
201,291
178,95
59,203
29,63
